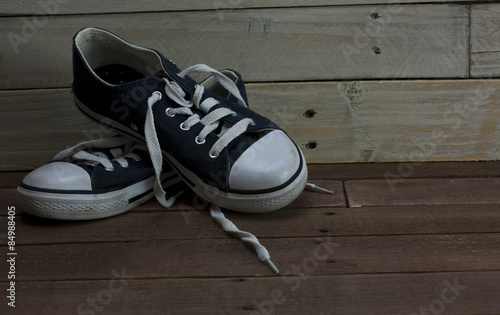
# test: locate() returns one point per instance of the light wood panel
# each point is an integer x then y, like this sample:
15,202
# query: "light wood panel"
359,121
37,124
412,41
485,40
55,7
369,121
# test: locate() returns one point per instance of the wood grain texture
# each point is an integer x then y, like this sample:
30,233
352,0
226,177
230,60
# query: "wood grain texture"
431,249
11,179
291,223
485,64
381,260
485,40
188,201
387,121
355,171
484,28
293,44
295,294
208,258
406,192
327,174
358,121
7,199
36,125
56,7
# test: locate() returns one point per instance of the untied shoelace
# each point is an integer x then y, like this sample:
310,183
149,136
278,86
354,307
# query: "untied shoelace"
211,120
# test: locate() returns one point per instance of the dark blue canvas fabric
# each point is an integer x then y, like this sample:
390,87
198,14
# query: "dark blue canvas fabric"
126,104
103,180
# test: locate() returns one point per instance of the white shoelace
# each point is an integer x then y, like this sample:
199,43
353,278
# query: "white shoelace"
245,237
211,120
98,157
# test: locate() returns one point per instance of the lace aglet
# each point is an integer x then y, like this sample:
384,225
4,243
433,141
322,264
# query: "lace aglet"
313,187
273,267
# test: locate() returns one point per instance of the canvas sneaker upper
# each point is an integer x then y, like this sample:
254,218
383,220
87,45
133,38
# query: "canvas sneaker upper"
91,180
225,152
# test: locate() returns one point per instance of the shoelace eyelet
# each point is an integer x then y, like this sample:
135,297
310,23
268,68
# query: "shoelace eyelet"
213,155
167,112
158,94
198,141
183,127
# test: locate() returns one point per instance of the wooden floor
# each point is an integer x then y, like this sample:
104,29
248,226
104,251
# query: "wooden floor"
357,84
394,239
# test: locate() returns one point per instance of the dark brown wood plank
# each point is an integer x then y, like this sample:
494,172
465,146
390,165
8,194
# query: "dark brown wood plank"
229,257
401,191
168,225
352,171
7,199
465,293
308,199
11,179
189,201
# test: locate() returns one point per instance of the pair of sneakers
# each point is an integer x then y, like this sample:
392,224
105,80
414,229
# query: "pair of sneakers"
173,129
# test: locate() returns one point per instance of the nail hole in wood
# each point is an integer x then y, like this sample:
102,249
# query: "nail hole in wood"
330,213
376,50
375,16
312,145
323,231
310,113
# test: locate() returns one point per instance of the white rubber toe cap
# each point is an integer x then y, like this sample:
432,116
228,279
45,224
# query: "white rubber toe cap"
266,164
59,176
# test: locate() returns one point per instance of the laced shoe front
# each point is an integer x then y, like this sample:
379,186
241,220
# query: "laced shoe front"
226,153
91,180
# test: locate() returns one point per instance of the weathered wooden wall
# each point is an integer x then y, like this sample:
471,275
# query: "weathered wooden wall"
351,81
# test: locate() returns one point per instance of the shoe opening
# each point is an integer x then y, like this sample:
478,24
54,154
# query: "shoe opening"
115,60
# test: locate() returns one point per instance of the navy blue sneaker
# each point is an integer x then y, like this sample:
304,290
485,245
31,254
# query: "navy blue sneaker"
91,180
100,178
226,153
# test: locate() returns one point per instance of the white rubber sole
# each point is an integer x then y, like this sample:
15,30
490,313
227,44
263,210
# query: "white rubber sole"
84,206
250,203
